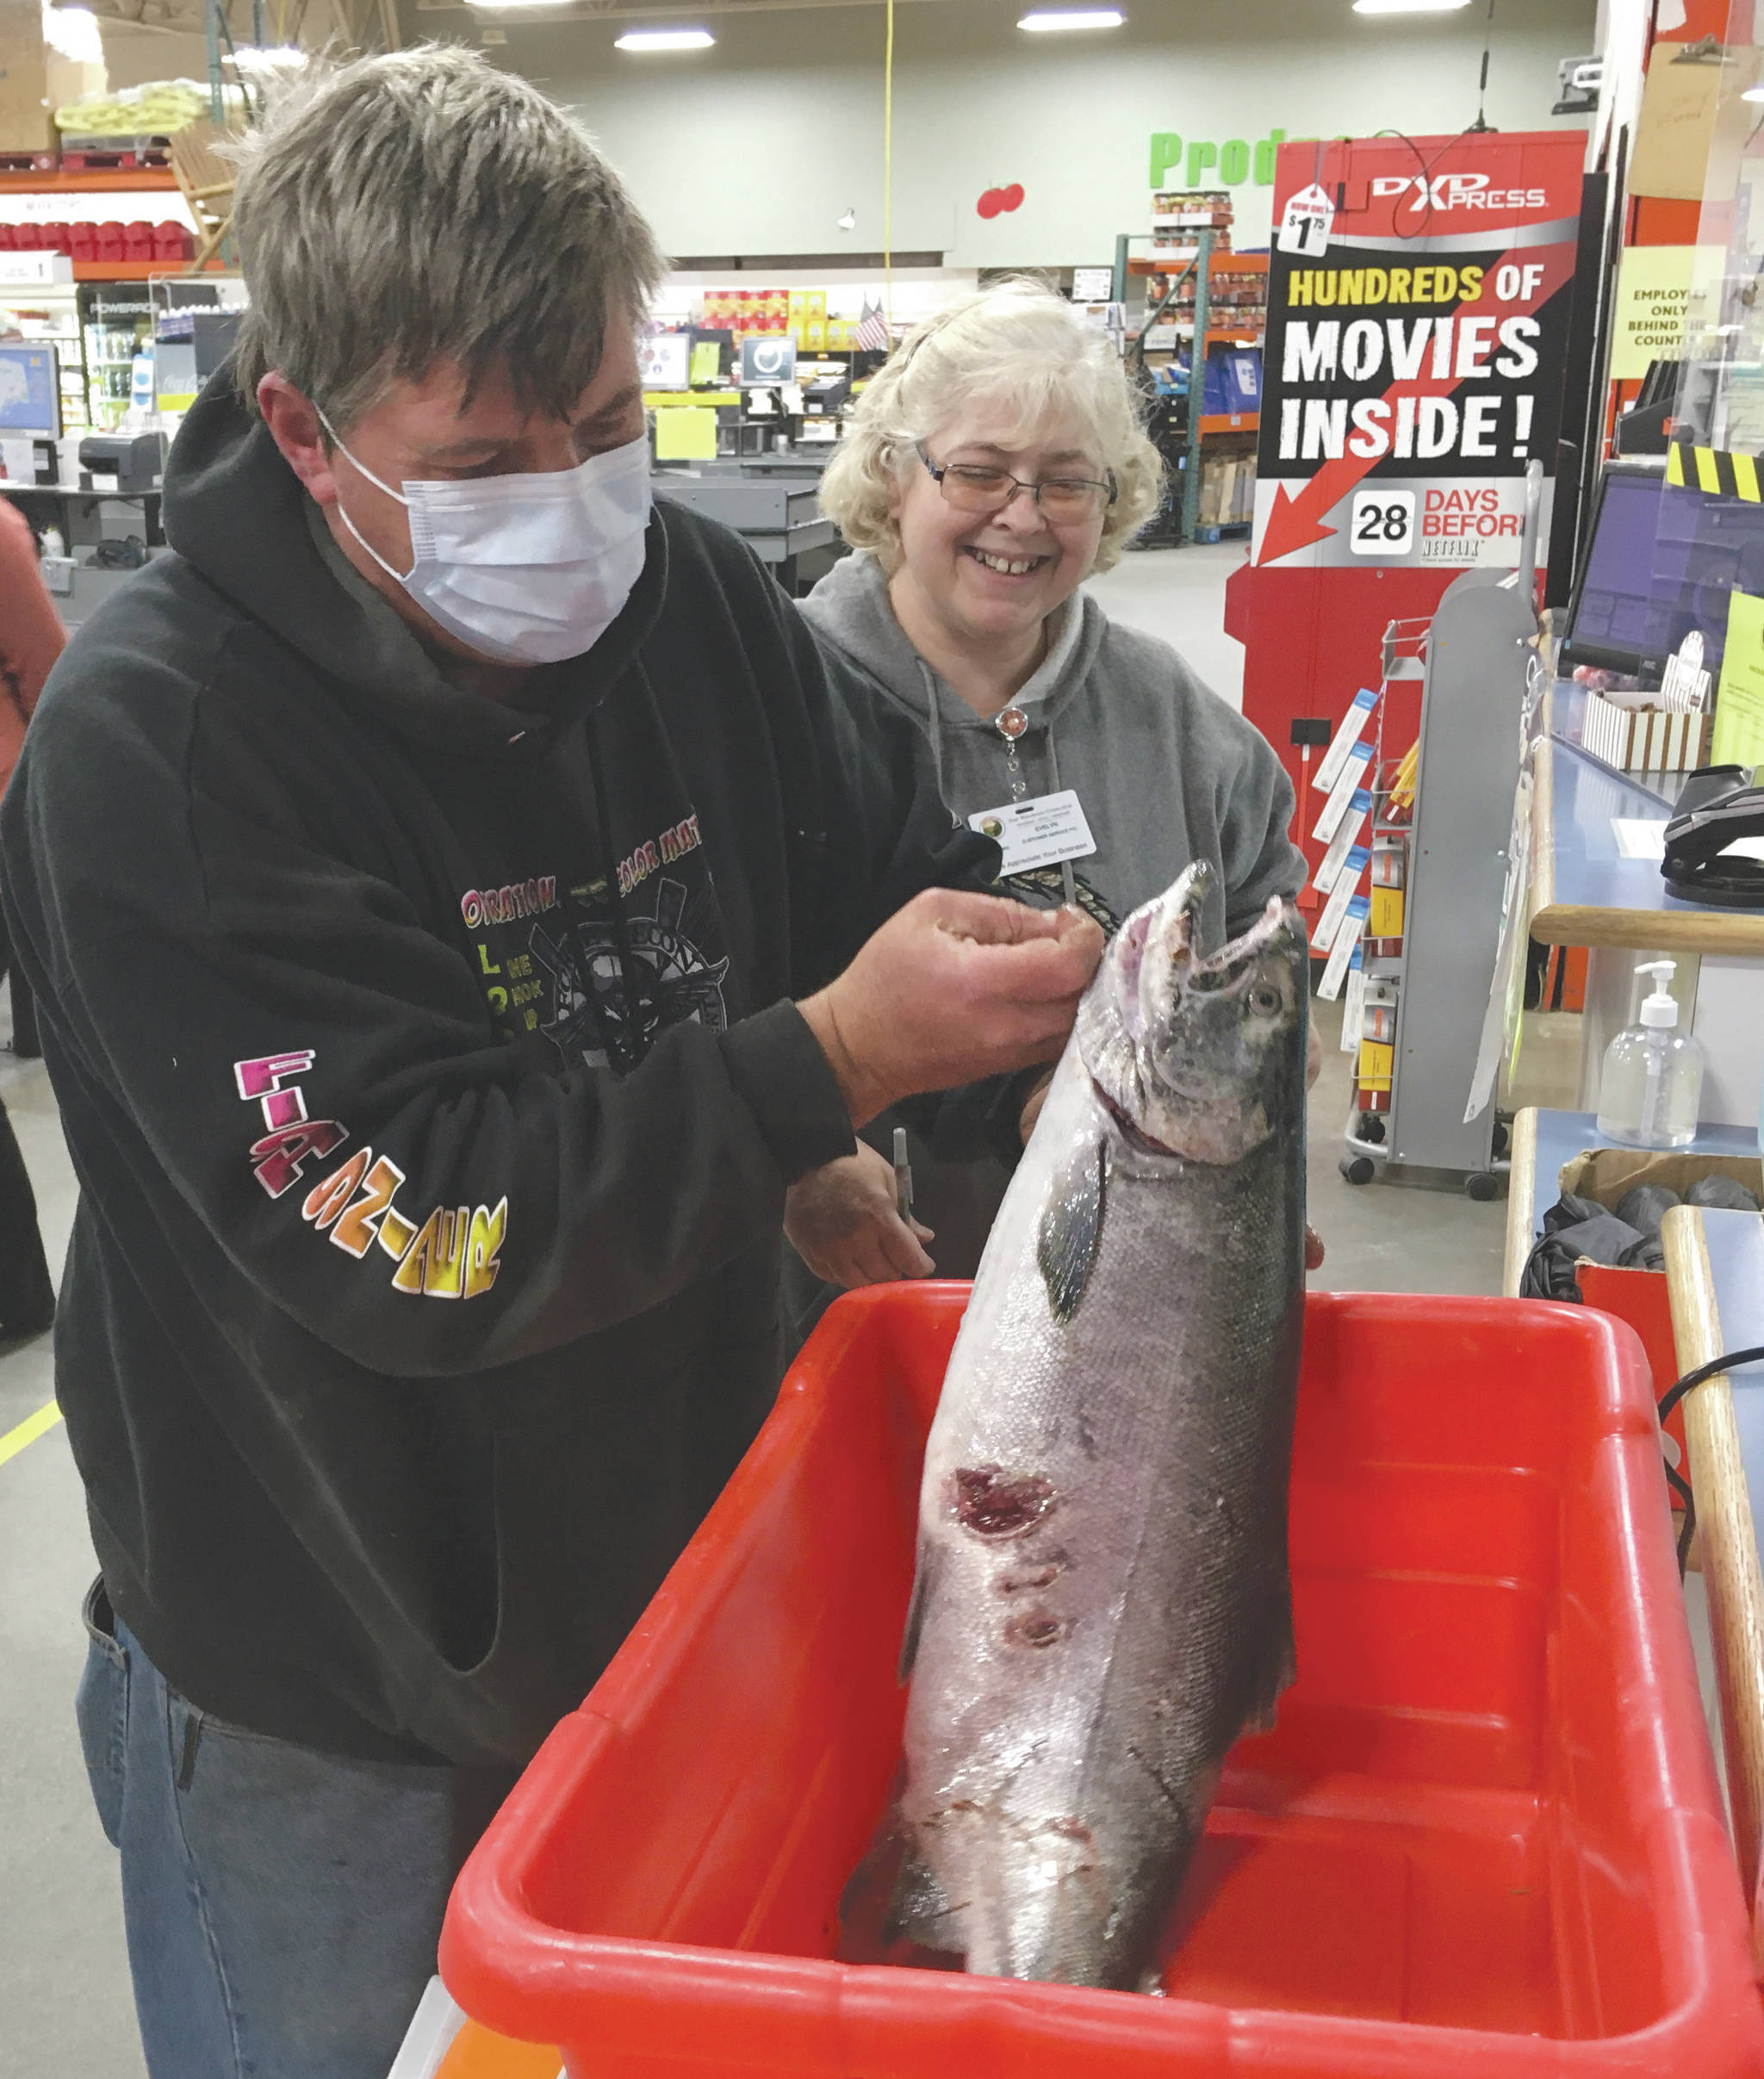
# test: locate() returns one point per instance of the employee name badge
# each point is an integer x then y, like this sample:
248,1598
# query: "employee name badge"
1045,831
1347,883
1348,783
1347,836
1346,940
1304,224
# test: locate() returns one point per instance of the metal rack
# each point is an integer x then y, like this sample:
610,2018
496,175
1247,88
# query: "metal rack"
1473,658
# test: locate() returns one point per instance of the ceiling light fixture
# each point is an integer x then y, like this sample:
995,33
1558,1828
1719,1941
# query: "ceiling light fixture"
1073,18
268,57
73,33
665,39
1408,7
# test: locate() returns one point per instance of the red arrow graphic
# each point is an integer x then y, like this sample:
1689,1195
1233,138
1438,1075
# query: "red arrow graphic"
1297,522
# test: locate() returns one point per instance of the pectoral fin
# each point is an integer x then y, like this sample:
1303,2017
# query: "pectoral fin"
1071,1229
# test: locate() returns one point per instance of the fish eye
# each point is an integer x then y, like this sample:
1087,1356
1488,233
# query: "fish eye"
1264,1000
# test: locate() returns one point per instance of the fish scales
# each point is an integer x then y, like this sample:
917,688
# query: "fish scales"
1102,1600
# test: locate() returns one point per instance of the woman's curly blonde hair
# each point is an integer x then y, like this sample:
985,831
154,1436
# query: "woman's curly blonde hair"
1018,343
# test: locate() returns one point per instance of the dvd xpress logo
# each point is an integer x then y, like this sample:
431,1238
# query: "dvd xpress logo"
1453,191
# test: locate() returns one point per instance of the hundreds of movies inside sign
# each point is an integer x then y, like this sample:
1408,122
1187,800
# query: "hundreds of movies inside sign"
1418,308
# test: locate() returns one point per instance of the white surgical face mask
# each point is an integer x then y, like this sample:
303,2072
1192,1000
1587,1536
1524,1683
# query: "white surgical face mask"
527,569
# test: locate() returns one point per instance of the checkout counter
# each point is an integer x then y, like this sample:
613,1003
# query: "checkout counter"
101,495
773,501
1591,887
1594,884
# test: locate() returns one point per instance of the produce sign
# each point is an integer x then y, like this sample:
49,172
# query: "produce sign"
1418,308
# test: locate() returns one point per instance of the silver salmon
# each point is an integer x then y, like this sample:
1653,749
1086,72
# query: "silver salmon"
1103,1602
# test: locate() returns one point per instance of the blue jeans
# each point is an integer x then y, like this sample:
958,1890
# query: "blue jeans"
283,1905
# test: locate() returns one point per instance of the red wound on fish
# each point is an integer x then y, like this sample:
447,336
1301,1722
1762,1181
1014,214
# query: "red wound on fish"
1036,1627
1037,1577
992,1502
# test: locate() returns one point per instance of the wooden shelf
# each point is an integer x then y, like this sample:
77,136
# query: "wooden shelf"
134,270
87,183
1223,264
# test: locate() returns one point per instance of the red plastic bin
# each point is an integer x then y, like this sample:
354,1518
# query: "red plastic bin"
1484,1838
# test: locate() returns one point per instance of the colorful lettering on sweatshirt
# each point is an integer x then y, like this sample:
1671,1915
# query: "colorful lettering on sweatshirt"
600,975
453,1254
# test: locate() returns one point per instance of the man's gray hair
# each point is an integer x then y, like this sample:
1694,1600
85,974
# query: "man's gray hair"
422,208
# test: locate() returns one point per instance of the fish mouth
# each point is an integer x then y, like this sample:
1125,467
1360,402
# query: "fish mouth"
1135,1136
1158,956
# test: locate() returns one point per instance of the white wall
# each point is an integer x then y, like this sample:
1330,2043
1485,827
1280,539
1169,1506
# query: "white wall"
759,145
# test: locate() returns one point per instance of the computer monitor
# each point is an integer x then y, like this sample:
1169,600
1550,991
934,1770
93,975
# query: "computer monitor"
766,361
30,389
1661,561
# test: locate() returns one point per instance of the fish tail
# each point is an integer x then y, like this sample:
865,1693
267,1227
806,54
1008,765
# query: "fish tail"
894,1910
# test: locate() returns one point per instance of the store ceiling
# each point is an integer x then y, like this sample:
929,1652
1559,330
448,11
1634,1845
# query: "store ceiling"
362,25
372,25
506,11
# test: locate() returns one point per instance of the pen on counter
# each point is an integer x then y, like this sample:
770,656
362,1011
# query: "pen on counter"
903,1177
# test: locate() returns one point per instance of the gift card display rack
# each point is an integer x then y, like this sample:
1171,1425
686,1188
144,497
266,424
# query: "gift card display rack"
1418,821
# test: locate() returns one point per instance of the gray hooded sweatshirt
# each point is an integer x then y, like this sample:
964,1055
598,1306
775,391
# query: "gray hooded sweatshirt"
1165,771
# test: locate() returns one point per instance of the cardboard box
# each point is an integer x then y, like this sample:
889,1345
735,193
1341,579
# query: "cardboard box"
27,120
1604,1174
1639,1297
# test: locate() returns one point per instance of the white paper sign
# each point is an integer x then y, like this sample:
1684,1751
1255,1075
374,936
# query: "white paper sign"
35,270
18,461
1639,837
1041,832
1304,227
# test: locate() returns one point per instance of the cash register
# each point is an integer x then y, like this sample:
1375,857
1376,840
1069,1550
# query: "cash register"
131,463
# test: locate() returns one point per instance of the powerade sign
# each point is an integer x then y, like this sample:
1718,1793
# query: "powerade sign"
1204,162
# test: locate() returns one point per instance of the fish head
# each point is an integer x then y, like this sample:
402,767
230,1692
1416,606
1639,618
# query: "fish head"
1193,1054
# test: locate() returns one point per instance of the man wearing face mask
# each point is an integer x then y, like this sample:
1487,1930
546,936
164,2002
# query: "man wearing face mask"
461,909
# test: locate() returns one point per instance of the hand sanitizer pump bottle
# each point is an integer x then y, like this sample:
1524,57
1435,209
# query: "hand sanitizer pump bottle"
1652,1078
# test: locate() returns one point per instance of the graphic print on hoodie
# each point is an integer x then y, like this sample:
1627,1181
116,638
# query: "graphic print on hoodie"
364,996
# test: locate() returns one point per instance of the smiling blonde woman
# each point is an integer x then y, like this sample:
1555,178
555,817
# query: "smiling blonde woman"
996,462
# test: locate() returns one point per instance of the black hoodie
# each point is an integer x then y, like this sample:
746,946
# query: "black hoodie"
432,1084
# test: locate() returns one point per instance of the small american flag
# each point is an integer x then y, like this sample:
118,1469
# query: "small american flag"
872,329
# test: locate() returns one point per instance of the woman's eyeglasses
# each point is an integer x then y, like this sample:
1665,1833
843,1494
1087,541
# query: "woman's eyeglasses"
974,488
